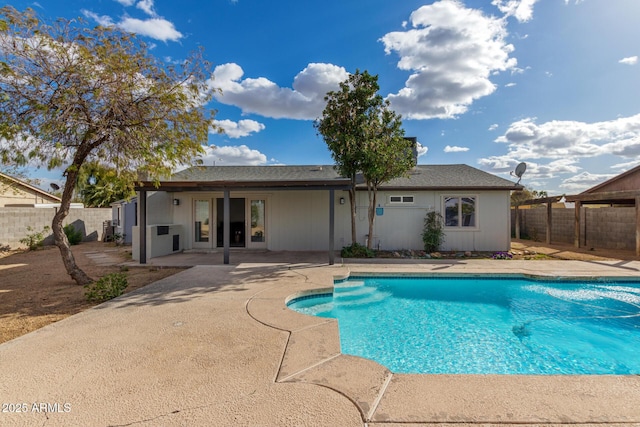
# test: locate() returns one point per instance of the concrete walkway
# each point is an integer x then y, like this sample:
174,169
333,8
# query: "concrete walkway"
216,346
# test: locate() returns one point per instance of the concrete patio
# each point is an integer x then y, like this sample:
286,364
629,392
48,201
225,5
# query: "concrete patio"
215,345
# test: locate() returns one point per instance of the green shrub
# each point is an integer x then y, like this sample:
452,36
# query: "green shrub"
106,288
35,239
433,231
356,251
74,236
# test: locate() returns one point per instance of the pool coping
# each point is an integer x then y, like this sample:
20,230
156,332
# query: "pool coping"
312,355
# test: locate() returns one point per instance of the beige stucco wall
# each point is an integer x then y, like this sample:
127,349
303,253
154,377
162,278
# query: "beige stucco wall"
16,196
400,226
299,220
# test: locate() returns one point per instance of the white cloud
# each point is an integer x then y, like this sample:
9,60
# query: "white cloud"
626,165
239,129
233,155
305,101
102,20
156,28
493,126
422,149
510,85
571,139
564,143
584,181
454,149
522,10
146,6
451,51
631,60
506,165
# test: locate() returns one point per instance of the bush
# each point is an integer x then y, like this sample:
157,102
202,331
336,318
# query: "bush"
35,239
74,236
433,231
106,288
356,251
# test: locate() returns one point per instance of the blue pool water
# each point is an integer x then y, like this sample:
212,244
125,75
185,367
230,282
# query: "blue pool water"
486,326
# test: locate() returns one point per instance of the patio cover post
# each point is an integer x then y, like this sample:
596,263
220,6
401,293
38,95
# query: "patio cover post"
332,223
576,224
549,221
143,226
637,225
226,227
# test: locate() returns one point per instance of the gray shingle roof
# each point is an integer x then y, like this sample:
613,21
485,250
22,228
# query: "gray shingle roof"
433,177
428,177
257,173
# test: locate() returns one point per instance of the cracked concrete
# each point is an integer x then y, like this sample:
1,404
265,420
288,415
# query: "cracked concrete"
216,345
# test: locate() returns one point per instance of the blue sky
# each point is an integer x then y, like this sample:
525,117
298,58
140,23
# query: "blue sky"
489,83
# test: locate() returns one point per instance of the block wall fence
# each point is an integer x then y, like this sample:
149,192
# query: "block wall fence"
608,228
14,223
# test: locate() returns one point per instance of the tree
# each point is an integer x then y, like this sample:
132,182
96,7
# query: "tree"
364,135
343,125
99,186
387,154
518,197
71,94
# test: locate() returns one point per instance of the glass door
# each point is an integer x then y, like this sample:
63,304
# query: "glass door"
202,223
237,224
258,231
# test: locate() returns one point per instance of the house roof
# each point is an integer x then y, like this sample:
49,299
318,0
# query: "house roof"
450,177
425,177
29,188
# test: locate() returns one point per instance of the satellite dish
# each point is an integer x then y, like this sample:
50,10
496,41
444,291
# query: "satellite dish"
520,169
54,186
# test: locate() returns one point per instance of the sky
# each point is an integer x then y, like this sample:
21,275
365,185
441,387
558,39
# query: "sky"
488,83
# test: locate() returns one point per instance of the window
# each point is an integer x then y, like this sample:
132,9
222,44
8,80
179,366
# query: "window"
400,199
460,211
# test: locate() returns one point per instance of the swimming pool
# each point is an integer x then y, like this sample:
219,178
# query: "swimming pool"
492,325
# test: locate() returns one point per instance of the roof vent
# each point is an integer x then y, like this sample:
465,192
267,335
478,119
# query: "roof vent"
316,168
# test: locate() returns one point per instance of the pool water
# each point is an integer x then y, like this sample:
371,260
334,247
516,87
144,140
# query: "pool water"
497,325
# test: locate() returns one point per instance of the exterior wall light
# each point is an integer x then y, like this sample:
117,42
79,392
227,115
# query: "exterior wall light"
342,200
176,202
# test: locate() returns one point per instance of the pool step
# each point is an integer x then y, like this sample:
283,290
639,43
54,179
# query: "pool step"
358,295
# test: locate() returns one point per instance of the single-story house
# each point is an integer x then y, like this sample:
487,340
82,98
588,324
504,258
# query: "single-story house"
16,193
306,208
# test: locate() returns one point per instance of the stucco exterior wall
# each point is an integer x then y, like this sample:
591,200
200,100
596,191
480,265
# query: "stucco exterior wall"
12,195
400,226
299,220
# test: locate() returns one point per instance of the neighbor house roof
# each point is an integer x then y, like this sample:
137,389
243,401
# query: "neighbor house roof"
8,182
426,177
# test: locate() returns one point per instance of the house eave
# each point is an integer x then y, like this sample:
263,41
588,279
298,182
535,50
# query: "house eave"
443,188
183,186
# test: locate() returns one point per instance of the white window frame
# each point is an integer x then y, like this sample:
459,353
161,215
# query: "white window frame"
460,226
402,199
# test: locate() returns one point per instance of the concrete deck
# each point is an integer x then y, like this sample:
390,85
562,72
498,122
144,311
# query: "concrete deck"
216,346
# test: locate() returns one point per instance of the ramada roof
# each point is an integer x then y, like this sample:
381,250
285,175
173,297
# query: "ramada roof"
422,177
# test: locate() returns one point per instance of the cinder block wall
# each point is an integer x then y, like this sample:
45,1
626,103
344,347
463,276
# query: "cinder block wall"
14,223
609,228
612,228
